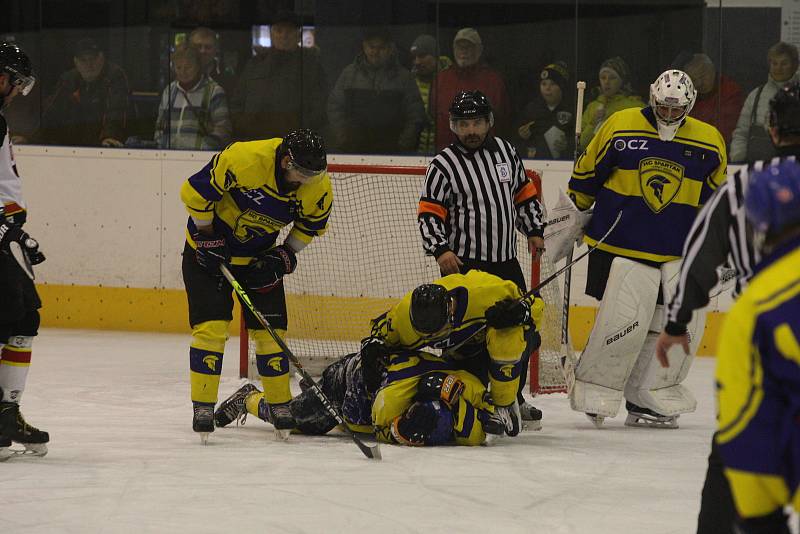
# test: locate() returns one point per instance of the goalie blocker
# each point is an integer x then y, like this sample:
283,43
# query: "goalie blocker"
619,358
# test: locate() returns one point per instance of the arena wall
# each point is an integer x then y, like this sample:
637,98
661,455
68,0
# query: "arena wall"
111,224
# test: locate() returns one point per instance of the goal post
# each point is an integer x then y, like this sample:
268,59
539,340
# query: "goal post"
370,256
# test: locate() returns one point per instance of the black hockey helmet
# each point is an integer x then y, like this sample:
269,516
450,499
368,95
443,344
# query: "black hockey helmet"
471,105
306,149
784,110
430,308
15,63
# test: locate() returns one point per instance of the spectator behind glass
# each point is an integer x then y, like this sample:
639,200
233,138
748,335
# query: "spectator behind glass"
613,94
90,104
427,62
751,141
469,73
375,107
546,126
710,89
283,88
206,42
193,112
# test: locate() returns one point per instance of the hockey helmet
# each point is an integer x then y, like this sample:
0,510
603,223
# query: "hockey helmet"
15,63
672,97
784,110
773,198
430,308
307,155
471,105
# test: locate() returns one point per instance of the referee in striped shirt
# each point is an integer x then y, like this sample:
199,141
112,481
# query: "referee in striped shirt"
721,232
476,195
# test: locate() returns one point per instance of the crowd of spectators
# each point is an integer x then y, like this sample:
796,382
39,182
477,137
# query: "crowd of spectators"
378,104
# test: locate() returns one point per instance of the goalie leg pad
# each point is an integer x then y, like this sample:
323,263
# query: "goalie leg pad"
616,339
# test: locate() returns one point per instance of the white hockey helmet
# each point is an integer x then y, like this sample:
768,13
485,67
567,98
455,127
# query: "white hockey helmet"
672,97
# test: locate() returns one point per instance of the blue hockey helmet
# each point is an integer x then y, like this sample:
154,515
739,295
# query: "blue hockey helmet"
773,197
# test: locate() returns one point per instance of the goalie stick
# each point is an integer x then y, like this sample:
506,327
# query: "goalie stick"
374,452
552,277
565,344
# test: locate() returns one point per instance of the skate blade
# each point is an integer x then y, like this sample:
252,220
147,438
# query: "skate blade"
203,437
597,420
31,449
645,422
282,434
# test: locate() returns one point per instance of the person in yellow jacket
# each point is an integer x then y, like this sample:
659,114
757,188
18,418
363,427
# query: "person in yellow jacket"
237,205
613,94
479,321
758,367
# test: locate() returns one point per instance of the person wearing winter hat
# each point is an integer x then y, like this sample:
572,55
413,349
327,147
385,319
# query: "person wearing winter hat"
546,122
613,94
425,65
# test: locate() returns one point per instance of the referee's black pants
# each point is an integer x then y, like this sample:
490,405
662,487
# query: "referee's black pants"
507,270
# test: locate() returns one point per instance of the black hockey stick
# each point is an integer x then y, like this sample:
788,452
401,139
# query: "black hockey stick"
373,452
552,277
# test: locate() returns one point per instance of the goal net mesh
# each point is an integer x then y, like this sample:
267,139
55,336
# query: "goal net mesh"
369,258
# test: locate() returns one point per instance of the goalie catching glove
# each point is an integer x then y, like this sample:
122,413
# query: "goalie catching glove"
441,386
508,312
269,268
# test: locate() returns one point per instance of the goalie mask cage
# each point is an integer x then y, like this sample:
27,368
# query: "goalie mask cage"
368,259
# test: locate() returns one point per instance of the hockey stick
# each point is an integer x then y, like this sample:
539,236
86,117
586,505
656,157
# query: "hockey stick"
550,278
374,452
581,86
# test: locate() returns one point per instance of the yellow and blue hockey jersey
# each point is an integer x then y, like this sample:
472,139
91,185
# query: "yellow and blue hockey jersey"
658,185
474,293
758,387
238,191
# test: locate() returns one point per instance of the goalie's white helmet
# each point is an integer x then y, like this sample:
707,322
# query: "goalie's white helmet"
672,97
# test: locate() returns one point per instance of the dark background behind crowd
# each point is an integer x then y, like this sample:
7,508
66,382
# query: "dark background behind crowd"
355,75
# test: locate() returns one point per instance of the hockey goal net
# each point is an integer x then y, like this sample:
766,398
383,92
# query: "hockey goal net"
369,258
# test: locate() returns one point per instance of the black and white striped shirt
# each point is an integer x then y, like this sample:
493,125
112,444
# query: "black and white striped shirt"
719,233
472,201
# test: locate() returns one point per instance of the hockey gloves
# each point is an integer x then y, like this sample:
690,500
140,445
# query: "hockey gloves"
441,386
210,251
416,425
12,233
270,267
374,359
507,313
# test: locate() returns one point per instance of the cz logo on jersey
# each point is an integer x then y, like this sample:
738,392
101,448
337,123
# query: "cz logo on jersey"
660,181
631,144
503,172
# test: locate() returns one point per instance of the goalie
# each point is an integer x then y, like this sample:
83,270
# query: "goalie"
408,397
656,166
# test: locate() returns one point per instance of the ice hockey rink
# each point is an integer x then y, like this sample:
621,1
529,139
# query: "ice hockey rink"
123,458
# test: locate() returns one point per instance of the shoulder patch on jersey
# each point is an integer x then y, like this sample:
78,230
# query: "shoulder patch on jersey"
660,180
321,201
230,178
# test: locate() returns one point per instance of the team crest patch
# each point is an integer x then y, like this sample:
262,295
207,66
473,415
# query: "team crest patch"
563,117
252,224
660,181
503,173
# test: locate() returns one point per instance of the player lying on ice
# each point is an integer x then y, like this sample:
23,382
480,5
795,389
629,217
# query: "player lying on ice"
410,397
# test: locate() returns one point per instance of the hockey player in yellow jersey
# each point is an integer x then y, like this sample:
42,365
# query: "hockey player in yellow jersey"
237,205
479,321
657,166
758,363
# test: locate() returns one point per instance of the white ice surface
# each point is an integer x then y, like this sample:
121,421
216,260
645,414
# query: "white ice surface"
123,458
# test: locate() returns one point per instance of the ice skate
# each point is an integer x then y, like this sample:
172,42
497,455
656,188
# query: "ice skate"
14,428
531,416
506,420
233,408
644,417
203,421
280,416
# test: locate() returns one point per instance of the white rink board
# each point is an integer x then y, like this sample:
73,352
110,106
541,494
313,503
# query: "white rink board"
123,459
114,217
